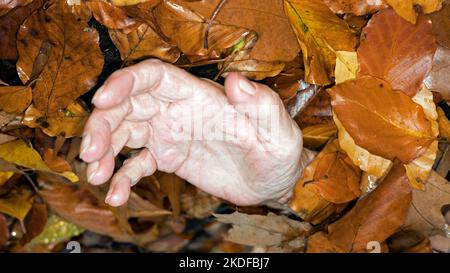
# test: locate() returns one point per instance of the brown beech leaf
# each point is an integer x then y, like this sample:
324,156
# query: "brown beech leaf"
276,232
7,5
4,230
9,25
276,40
143,42
376,216
357,7
56,163
437,79
186,29
79,9
81,208
313,202
425,215
386,50
68,122
320,34
173,186
315,107
408,8
73,60
383,116
34,222
441,25
111,16
14,99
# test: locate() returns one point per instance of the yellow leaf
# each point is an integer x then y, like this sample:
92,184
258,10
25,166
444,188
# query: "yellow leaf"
407,8
317,135
5,176
346,66
68,122
320,34
444,124
19,153
17,203
374,165
420,168
14,99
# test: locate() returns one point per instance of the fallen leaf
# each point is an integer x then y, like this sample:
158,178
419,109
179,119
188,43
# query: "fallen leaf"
441,25
374,217
34,222
396,121
6,138
346,66
425,215
387,53
10,24
56,163
437,79
138,207
19,153
317,135
357,7
320,34
312,202
17,203
373,165
143,42
82,209
67,122
186,29
276,232
276,40
7,5
408,8
110,16
199,204
5,176
73,60
14,99
4,230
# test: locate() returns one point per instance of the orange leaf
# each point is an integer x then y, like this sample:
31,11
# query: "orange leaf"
397,51
383,121
14,99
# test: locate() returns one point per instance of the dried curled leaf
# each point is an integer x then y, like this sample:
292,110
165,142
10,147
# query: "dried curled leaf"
143,42
395,120
320,34
330,179
357,7
437,79
386,51
65,51
276,232
408,8
186,29
276,40
14,99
